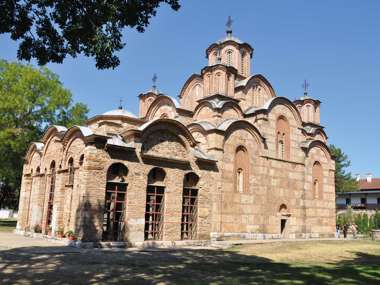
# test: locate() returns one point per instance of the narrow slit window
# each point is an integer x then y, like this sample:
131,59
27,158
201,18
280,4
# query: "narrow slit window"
71,171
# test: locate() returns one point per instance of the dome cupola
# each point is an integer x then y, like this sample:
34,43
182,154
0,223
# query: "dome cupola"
231,51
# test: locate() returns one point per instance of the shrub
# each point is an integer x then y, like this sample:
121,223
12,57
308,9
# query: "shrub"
37,229
376,220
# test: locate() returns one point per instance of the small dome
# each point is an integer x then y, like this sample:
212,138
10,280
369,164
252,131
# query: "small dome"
229,38
119,112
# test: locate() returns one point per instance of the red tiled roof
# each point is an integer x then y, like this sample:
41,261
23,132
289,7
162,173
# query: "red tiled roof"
373,185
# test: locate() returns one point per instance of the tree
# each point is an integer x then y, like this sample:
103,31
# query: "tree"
30,100
50,30
343,180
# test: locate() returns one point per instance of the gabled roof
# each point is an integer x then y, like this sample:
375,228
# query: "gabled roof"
373,184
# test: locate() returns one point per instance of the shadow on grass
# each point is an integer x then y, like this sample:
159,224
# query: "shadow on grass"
7,224
61,265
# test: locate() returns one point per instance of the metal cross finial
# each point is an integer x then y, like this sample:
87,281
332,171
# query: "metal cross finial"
229,25
154,80
305,87
120,103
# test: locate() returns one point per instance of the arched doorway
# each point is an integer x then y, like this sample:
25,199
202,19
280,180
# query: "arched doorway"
284,216
189,206
115,201
154,208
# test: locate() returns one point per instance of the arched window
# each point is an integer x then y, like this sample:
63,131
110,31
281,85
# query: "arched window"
280,145
71,170
217,83
229,54
239,180
317,174
243,64
115,201
282,138
154,209
164,116
241,169
50,204
189,206
215,57
310,113
208,84
81,160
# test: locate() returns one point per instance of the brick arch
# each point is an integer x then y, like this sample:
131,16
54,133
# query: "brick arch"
321,145
230,126
73,146
52,149
34,147
191,179
160,102
282,138
188,97
53,130
190,82
235,108
170,125
206,108
251,92
288,104
117,171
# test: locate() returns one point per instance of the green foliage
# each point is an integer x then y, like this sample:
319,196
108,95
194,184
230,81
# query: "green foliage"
343,180
364,222
30,100
51,30
376,220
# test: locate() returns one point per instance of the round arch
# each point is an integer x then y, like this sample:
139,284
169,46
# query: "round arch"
167,124
159,102
230,126
287,103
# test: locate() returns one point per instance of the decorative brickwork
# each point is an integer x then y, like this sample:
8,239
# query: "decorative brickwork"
230,160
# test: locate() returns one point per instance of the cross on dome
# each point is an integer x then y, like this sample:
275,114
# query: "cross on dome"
229,26
154,81
305,86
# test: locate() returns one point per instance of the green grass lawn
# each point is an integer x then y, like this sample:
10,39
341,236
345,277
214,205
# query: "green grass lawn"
312,262
7,225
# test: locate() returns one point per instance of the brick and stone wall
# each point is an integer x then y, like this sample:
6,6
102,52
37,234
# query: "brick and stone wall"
222,110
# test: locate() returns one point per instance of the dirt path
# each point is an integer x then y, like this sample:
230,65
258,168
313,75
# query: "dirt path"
9,240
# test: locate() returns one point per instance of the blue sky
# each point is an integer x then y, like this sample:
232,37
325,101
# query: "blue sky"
335,45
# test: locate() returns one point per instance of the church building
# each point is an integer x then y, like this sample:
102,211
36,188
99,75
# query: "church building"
227,159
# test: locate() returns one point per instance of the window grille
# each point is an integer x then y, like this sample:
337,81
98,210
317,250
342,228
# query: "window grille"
189,213
51,195
113,218
154,210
